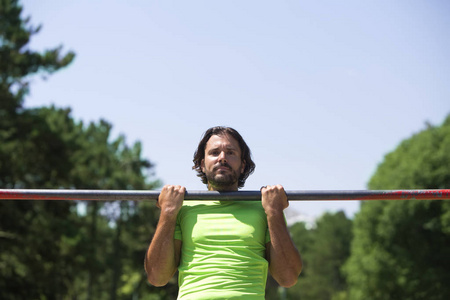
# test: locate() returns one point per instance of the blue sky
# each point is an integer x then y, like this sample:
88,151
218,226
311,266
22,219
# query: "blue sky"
320,90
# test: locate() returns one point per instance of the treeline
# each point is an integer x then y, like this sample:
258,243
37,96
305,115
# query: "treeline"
57,249
392,249
95,250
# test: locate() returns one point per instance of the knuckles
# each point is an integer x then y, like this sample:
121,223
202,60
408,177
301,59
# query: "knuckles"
274,195
176,189
272,189
170,194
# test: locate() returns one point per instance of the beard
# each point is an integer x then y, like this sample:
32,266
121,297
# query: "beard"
223,181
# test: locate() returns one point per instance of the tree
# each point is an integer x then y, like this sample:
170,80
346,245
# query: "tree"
324,250
48,240
48,249
17,64
401,248
21,156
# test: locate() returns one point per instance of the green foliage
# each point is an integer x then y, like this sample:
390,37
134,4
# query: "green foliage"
421,161
401,248
48,240
17,62
324,249
50,249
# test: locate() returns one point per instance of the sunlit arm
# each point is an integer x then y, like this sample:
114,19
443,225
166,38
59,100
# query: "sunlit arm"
163,254
285,263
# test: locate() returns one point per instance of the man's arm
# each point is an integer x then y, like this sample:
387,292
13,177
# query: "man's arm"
163,254
285,263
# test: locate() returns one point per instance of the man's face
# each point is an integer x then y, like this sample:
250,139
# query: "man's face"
222,163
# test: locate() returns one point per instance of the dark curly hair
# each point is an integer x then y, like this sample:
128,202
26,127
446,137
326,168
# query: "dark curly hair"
246,154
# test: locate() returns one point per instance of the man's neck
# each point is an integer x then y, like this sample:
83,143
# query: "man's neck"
233,188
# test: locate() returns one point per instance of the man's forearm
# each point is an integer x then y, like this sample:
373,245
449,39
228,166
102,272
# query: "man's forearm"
284,259
161,261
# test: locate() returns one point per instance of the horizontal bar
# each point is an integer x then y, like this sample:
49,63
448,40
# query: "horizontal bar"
112,195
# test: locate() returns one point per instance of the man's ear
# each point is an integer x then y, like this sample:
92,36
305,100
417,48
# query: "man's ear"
202,165
243,166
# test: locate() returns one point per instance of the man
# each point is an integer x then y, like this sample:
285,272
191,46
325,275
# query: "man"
222,249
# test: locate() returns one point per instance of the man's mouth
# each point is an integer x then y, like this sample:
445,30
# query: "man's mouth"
222,168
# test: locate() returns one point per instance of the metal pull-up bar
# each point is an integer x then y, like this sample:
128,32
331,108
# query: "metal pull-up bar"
113,195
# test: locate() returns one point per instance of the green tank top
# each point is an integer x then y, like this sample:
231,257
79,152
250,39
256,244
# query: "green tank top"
223,250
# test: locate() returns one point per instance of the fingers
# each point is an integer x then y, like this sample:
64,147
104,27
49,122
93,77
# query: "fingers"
274,197
174,189
171,196
273,189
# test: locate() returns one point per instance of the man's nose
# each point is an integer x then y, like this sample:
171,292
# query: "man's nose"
222,157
